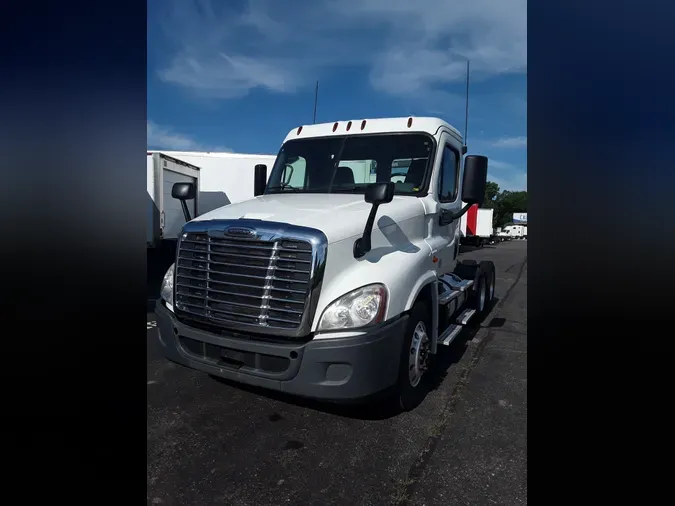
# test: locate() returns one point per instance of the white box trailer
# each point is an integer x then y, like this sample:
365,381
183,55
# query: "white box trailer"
476,226
225,178
165,217
516,231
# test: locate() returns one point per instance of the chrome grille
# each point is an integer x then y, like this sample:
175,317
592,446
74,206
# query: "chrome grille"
223,280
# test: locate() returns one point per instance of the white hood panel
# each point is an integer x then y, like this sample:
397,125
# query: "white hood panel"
339,216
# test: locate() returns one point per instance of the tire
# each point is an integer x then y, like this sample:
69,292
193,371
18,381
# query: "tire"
478,297
470,269
466,269
490,276
412,386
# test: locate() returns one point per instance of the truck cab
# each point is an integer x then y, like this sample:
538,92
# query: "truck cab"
340,279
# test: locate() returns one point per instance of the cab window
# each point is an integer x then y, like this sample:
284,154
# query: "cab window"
447,188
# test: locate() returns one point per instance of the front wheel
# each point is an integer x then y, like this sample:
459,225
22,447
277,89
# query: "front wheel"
411,387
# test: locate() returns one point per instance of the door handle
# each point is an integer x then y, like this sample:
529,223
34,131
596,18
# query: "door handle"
445,217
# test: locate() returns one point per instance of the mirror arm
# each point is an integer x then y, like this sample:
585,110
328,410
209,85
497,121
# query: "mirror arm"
186,211
448,217
362,245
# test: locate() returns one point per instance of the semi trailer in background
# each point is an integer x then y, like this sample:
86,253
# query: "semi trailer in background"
476,226
164,215
225,178
516,231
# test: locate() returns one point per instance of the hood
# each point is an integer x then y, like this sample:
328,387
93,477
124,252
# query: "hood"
339,216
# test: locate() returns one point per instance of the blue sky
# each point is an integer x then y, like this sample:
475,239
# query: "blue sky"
237,75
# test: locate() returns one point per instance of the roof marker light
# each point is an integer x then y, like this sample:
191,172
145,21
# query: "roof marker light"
409,122
335,126
349,125
299,130
363,124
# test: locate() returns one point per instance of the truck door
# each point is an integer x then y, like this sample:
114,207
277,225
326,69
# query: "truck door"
448,198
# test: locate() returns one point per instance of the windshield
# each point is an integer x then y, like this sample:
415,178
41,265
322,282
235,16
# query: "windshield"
347,164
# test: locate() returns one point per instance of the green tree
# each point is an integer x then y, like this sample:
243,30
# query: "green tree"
491,193
507,203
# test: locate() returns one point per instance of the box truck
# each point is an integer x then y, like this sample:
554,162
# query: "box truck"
333,287
476,226
225,178
164,214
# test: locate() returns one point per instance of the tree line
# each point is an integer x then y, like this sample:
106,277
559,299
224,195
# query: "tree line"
504,203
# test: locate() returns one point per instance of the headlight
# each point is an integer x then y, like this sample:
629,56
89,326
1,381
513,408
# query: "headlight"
355,309
166,292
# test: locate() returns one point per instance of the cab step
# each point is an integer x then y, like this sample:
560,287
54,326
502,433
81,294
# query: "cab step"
454,329
450,287
449,334
465,316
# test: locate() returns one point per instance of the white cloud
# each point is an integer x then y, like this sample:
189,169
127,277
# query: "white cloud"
514,180
160,137
409,47
497,164
226,76
508,175
511,142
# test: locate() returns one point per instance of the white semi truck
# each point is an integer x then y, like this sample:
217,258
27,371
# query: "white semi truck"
327,284
516,231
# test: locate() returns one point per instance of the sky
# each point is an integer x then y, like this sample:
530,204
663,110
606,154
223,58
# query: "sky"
237,75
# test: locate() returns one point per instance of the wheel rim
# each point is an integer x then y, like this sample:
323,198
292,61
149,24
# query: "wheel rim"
492,287
418,358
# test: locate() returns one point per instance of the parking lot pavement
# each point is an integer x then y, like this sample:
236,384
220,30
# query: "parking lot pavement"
211,442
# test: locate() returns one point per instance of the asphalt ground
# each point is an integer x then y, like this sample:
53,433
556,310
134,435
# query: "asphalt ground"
213,442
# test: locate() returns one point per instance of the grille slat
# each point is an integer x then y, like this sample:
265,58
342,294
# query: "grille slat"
248,256
190,309
265,283
213,290
263,278
255,245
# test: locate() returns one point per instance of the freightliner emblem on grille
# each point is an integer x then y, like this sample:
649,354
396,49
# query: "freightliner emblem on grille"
240,232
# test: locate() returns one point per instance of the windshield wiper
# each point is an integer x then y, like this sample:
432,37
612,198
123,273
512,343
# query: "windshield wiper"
283,187
343,189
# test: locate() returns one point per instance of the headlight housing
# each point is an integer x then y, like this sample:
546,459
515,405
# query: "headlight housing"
166,291
361,307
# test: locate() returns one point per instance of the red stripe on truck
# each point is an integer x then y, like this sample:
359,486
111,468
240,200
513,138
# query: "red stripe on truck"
472,220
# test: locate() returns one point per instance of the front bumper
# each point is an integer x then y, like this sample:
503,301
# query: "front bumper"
328,369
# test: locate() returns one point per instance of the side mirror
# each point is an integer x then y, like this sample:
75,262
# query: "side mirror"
259,179
376,194
183,192
475,179
379,193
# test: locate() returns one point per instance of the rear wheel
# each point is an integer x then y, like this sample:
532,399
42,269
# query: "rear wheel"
488,269
479,300
412,387
483,278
